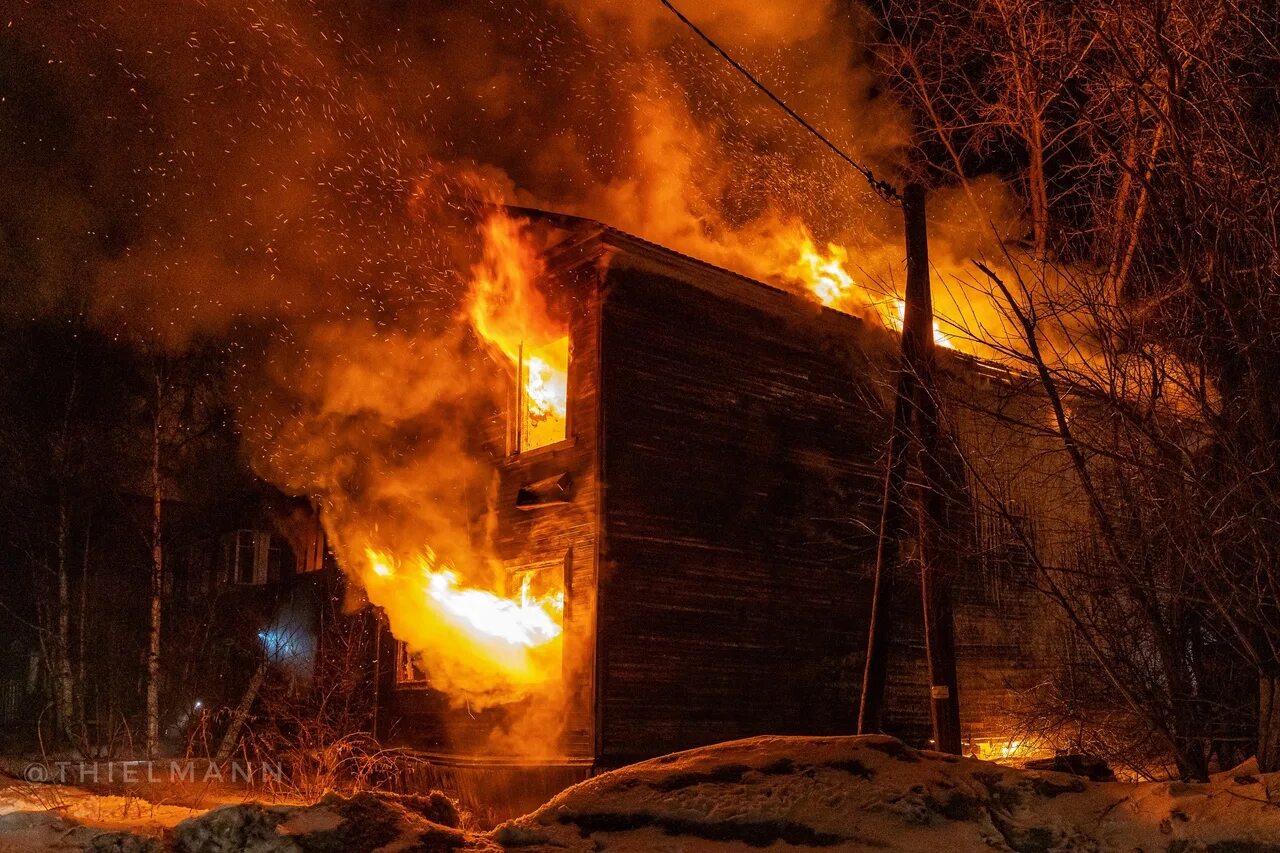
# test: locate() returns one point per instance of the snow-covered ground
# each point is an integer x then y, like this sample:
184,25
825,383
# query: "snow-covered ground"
873,793
63,817
768,793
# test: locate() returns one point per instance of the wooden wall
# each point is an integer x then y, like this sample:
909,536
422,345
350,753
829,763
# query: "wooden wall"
740,453
726,452
743,436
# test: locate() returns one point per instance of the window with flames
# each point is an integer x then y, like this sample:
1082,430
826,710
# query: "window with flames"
544,395
408,671
538,580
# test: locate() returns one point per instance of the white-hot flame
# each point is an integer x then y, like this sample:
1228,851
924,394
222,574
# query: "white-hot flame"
494,637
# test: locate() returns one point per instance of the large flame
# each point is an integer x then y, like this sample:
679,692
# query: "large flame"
484,642
480,640
510,314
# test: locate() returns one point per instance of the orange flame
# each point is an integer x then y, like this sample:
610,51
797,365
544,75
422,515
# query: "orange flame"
510,314
825,276
479,641
899,317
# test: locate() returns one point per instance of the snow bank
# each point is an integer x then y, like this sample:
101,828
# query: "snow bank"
63,817
874,793
360,824
771,793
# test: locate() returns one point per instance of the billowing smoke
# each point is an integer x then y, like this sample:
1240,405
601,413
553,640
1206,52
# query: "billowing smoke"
304,178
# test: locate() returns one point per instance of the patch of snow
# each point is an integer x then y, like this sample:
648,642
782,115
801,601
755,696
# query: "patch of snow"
767,793
858,793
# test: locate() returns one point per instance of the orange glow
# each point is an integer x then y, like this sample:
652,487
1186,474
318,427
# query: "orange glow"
827,279
476,639
824,275
1012,749
544,394
510,314
899,316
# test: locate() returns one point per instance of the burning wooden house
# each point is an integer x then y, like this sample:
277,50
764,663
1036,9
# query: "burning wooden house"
701,473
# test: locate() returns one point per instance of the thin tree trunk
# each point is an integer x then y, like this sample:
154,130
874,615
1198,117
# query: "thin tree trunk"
64,698
1038,189
157,586
1268,721
82,631
228,743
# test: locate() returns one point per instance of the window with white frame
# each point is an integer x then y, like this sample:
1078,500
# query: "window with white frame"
252,557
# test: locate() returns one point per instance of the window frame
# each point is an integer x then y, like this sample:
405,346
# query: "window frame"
405,663
259,551
515,432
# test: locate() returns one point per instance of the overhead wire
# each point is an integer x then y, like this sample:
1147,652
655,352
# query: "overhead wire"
886,190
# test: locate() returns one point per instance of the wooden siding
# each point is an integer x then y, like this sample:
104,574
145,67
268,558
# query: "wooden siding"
743,438
726,455
740,451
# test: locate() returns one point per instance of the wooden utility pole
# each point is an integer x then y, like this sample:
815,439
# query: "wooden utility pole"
915,413
893,529
934,502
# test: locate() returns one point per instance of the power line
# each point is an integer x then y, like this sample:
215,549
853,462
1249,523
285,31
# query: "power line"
887,190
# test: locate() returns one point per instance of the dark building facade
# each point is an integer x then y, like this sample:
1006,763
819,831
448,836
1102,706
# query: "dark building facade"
711,514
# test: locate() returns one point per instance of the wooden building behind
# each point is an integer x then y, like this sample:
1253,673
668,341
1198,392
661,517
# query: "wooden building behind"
712,517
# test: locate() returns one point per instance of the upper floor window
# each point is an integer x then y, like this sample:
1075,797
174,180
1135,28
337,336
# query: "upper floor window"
544,394
254,557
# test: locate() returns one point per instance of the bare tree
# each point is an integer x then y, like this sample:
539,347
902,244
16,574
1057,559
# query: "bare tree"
181,408
1144,139
157,566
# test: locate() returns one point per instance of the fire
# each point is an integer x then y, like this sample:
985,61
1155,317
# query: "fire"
1011,749
475,639
479,641
825,276
899,317
544,394
511,315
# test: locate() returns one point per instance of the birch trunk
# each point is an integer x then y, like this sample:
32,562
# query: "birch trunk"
81,634
1268,722
157,587
228,744
64,697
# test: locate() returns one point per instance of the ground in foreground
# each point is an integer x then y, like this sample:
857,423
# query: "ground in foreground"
843,793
